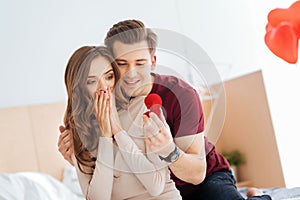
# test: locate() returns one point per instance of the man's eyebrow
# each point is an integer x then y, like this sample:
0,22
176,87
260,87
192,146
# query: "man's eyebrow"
142,60
138,60
121,60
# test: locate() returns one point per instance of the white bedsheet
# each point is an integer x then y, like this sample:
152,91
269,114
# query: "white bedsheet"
33,186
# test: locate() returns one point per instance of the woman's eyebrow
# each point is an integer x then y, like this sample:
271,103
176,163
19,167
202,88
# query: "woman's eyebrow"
94,76
108,71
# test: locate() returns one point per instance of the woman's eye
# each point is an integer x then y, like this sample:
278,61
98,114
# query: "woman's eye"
110,77
90,82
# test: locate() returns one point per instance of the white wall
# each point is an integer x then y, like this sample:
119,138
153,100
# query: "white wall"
282,81
38,36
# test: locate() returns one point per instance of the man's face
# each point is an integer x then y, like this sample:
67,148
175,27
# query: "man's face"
135,64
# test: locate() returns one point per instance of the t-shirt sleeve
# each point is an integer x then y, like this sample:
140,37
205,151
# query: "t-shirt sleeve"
189,118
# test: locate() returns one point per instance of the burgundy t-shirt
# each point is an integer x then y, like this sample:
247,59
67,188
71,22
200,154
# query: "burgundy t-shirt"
183,111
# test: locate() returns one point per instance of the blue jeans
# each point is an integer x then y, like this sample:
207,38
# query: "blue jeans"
219,186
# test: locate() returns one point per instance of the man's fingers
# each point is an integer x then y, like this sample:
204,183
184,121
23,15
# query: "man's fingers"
62,131
145,119
150,127
68,145
68,156
162,118
164,134
157,120
66,142
67,138
161,123
62,128
149,143
62,149
152,131
63,135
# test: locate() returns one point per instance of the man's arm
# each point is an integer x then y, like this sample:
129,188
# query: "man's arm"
188,129
191,165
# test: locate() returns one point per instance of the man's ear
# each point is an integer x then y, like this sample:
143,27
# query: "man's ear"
153,65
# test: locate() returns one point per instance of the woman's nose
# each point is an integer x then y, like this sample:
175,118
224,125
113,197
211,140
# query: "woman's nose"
102,85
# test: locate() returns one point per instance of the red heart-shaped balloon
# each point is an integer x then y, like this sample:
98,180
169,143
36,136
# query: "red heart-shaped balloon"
291,14
283,42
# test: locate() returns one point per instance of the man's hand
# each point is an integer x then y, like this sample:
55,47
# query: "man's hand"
65,145
158,136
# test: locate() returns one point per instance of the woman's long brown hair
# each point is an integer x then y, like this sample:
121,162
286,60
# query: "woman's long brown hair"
80,114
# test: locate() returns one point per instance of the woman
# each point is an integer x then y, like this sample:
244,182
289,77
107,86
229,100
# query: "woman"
110,163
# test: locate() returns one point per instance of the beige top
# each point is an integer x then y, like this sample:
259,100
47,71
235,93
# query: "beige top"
125,169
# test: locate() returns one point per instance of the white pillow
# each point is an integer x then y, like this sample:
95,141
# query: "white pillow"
70,180
33,186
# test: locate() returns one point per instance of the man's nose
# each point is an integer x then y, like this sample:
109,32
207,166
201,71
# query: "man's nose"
131,71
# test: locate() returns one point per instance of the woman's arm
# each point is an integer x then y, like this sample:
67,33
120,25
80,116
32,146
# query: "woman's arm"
150,171
99,185
152,176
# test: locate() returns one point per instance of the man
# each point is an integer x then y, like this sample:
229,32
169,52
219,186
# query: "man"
198,170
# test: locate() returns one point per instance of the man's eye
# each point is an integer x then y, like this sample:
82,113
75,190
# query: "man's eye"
121,64
141,64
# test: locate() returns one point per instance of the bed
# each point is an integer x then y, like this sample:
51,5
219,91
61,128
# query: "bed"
30,164
277,193
37,186
32,168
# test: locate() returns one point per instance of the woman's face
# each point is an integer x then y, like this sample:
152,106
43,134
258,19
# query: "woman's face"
101,75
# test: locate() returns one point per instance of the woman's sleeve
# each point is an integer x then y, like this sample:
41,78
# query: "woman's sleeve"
99,185
152,176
